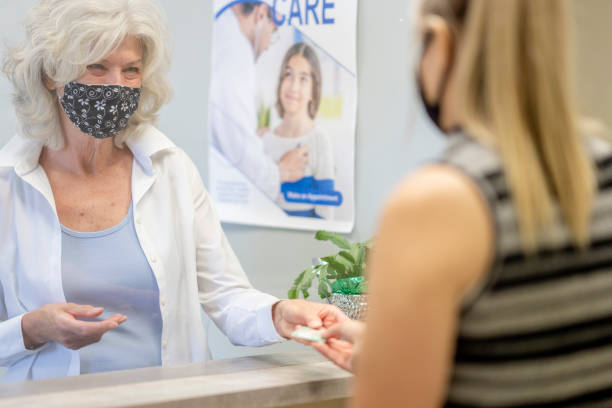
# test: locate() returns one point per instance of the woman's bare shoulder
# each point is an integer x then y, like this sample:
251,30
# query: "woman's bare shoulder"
432,183
437,219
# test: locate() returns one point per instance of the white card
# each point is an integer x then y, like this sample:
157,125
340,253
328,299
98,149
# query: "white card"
306,333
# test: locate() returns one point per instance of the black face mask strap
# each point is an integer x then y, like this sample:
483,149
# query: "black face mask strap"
447,74
433,110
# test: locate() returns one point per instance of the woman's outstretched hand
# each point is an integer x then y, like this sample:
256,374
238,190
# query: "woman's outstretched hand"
289,315
342,343
59,322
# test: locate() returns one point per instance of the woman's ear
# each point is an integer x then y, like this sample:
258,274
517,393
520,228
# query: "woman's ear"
261,12
49,84
436,58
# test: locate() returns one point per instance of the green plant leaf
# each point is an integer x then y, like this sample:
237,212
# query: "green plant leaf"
337,266
326,271
307,281
332,272
323,271
334,267
357,271
323,290
348,266
337,239
293,292
358,268
323,282
360,257
323,235
355,252
297,280
337,263
319,268
347,255
303,282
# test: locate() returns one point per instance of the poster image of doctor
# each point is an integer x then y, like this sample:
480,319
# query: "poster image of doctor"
283,99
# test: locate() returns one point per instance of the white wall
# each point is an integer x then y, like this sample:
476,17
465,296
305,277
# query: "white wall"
594,57
388,144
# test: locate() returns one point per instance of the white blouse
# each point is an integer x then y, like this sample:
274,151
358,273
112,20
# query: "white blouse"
180,235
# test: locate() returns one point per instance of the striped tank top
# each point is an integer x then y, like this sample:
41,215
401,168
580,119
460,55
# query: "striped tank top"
538,331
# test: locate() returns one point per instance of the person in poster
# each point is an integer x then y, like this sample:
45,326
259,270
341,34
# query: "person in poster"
283,105
298,98
247,29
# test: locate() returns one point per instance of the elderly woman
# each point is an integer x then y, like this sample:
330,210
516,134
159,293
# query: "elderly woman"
100,208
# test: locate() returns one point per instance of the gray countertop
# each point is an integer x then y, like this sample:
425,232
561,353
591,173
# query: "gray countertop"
272,380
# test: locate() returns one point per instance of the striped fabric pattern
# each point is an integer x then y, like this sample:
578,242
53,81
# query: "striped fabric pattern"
538,332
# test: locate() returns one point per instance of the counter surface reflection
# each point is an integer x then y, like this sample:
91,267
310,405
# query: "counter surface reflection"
273,380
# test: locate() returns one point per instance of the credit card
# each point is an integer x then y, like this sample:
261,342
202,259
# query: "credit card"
306,333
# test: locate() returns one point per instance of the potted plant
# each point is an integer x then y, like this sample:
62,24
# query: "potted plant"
341,277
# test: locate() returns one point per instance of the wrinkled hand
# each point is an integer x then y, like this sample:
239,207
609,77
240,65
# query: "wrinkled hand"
342,343
58,322
292,165
288,315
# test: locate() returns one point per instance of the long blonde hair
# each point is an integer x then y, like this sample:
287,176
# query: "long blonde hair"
515,86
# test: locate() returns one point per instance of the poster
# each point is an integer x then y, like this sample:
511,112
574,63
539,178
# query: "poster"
283,100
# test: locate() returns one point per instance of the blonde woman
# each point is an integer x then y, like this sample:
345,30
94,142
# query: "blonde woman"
492,271
110,242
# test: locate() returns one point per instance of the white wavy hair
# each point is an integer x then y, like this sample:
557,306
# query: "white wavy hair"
63,37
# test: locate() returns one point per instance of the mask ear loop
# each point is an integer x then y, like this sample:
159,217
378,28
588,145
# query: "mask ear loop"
447,75
428,38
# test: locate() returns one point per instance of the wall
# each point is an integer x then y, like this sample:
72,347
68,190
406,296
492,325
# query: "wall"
391,138
594,56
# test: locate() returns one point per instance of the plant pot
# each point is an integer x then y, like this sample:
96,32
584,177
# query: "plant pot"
354,306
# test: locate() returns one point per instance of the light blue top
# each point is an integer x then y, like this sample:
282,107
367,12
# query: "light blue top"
109,269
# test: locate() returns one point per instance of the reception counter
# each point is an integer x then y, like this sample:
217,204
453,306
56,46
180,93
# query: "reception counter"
303,379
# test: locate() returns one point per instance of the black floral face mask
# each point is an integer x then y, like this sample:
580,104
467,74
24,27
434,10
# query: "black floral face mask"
100,110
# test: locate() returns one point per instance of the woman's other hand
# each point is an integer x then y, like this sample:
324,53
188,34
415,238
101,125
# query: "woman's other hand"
342,343
262,131
293,164
58,322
